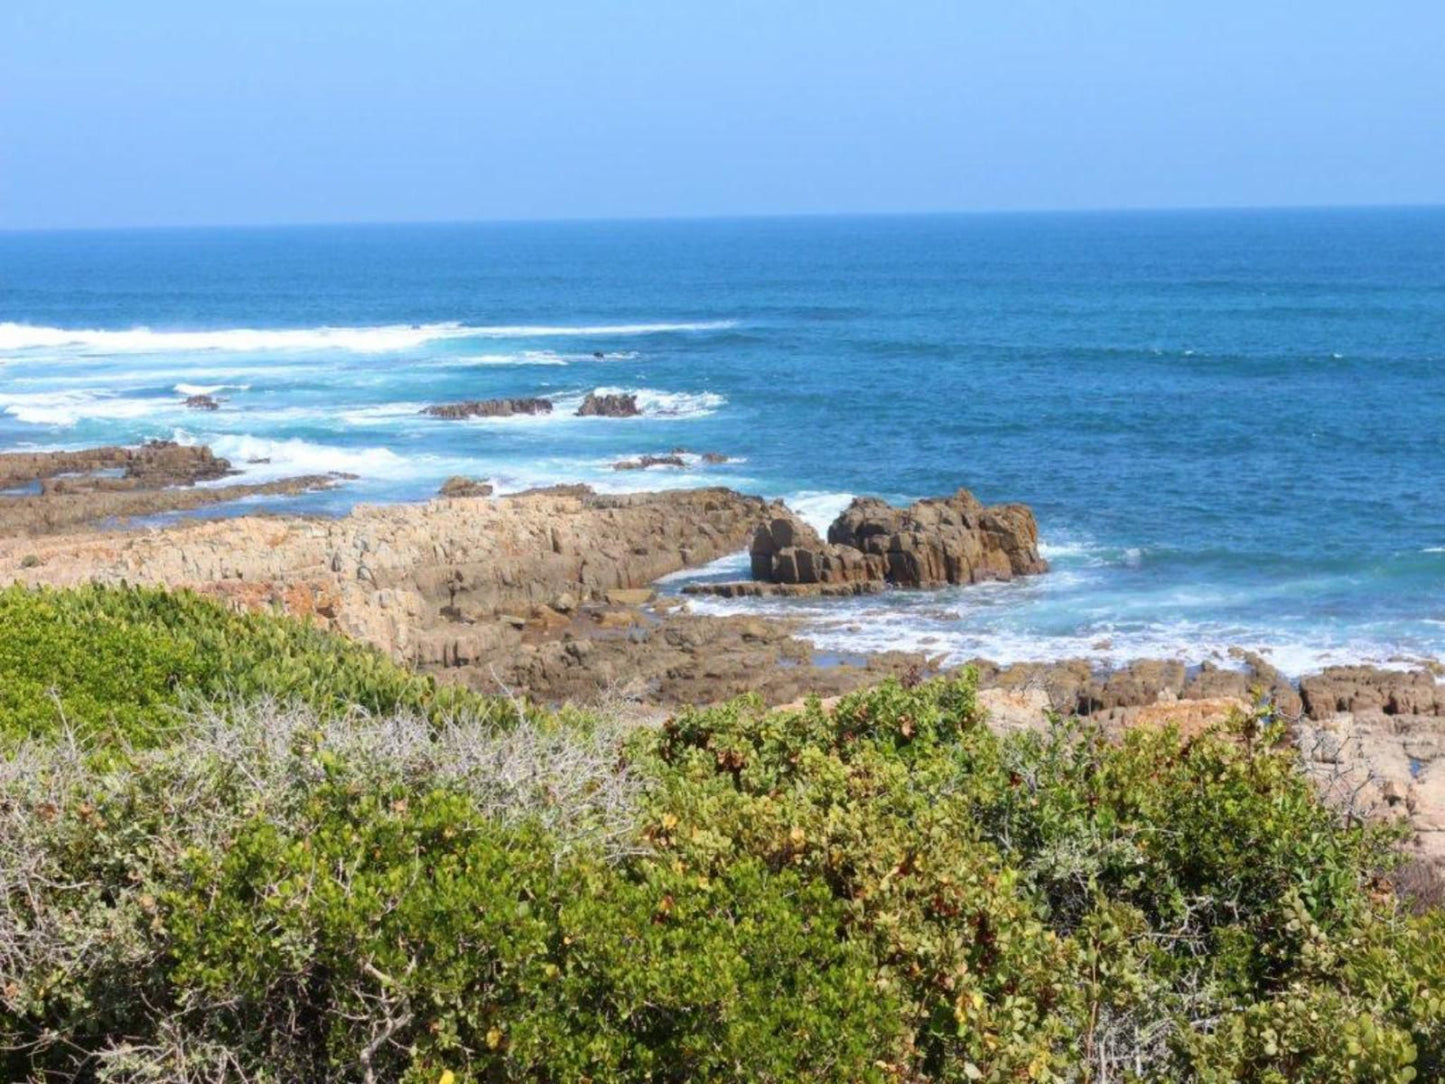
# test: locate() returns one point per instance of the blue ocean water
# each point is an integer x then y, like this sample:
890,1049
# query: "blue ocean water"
1230,424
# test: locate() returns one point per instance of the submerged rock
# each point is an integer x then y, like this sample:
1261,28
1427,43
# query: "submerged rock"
202,402
620,405
488,408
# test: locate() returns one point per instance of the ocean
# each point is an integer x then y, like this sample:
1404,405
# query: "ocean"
1231,425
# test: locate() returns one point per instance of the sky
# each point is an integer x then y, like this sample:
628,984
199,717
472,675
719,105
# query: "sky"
178,112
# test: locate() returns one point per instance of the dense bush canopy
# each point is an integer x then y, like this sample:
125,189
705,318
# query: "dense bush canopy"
117,658
886,891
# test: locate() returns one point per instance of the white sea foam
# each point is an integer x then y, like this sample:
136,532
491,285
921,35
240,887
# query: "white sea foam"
955,633
366,340
524,357
735,566
654,403
1056,551
531,357
818,508
209,389
380,414
68,408
288,458
537,331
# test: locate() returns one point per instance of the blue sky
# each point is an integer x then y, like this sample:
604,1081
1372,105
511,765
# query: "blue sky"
162,112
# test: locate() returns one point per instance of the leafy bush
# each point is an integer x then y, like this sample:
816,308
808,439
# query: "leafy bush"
882,892
117,660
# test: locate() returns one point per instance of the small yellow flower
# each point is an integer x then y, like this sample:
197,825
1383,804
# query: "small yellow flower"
447,1077
494,1038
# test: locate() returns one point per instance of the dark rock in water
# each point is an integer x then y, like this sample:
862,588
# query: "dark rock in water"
950,540
755,589
714,457
646,461
622,405
598,354
489,408
460,486
202,402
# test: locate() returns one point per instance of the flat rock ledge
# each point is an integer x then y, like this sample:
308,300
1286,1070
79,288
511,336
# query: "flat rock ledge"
51,492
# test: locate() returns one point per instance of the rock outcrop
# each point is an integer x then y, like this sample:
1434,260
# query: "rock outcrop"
618,405
202,402
461,486
159,463
488,408
57,491
646,462
428,583
931,543
1365,689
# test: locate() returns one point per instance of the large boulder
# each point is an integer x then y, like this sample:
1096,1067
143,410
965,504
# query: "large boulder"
950,540
619,405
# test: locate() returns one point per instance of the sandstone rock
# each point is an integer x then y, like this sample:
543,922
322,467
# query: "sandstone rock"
1366,688
783,530
1015,709
630,596
953,540
618,405
758,589
427,566
461,486
615,619
1190,716
489,408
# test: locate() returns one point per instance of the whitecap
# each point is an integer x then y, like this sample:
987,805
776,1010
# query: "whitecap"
818,508
263,458
208,389
366,340
68,408
525,357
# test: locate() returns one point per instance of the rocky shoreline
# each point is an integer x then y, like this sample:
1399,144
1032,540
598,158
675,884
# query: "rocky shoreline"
550,594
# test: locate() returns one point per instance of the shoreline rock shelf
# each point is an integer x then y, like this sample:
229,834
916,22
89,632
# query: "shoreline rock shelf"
52,492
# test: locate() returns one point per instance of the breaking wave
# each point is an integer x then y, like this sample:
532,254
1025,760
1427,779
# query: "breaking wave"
364,340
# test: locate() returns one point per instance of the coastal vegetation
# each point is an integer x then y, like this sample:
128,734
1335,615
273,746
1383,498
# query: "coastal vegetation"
237,848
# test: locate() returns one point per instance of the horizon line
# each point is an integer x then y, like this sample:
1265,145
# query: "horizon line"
746,216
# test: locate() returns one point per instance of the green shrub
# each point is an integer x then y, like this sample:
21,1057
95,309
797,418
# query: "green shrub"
115,661
886,891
